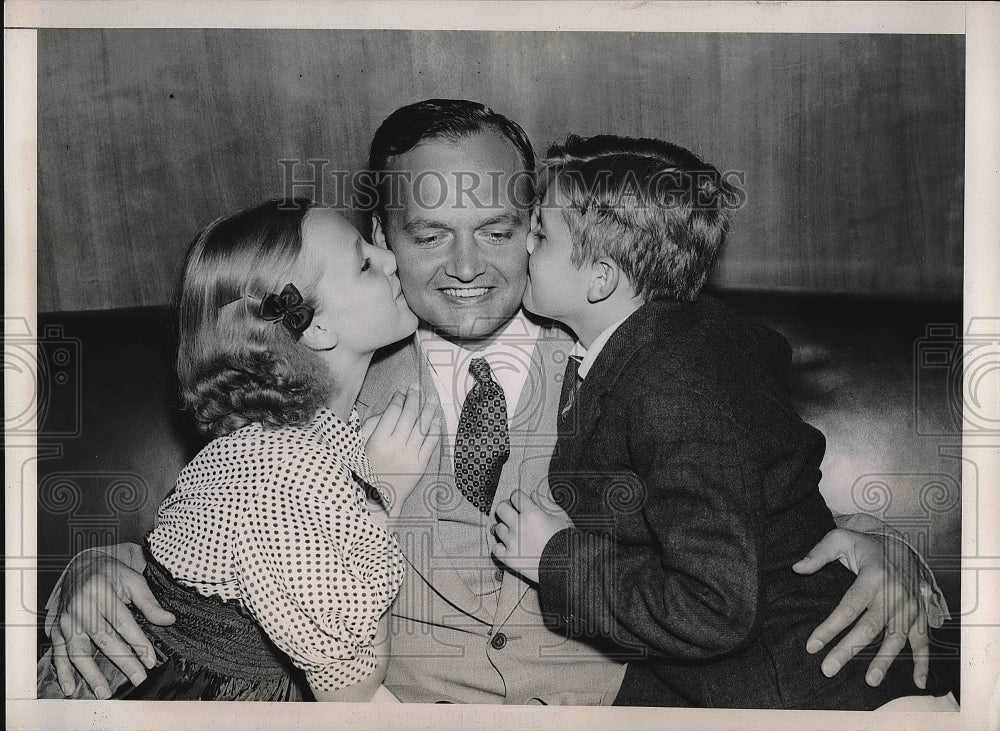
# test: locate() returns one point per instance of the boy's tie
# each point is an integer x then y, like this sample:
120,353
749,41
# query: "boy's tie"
482,443
570,387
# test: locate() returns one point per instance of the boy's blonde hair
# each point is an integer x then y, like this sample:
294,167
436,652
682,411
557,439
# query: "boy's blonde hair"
655,208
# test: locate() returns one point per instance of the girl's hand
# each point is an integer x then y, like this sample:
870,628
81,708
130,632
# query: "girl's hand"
399,443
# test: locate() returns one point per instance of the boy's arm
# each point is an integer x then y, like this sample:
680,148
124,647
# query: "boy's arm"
689,590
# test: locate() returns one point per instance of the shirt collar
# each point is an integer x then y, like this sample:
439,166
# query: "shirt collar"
587,356
515,333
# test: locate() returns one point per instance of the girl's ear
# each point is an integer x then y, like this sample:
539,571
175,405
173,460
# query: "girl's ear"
378,235
319,336
604,281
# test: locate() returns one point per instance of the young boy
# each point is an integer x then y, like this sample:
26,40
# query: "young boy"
691,482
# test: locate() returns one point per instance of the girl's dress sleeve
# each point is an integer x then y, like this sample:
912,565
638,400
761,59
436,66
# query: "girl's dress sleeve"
314,569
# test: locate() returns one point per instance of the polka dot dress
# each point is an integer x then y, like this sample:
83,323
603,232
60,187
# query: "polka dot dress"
277,519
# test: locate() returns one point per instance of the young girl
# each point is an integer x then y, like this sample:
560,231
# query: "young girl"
266,550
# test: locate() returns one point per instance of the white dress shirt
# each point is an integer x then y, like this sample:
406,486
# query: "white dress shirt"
509,357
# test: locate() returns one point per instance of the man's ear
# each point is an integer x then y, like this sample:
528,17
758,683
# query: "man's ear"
378,235
319,336
604,281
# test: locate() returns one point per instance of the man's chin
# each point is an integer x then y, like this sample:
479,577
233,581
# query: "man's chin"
471,327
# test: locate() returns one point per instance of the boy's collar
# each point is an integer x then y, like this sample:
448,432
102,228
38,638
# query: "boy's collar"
587,356
650,322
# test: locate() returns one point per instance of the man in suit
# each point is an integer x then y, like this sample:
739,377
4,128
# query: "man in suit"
453,203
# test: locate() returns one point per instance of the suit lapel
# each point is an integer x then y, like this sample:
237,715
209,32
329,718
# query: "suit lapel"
461,547
654,320
435,502
393,369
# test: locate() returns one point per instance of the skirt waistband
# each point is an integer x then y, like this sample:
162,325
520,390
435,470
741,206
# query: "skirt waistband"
210,632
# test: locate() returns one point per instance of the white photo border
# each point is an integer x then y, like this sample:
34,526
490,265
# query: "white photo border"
980,22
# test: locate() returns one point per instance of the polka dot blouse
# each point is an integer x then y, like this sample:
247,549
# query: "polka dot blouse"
277,519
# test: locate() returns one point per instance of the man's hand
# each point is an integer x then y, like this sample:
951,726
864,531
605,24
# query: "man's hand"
887,594
92,611
524,525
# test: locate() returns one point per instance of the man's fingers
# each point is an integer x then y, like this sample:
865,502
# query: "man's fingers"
858,597
129,630
118,652
861,635
920,647
143,599
831,547
895,640
60,661
81,655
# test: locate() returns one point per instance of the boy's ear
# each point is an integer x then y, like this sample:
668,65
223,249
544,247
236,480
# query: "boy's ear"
378,235
319,336
604,282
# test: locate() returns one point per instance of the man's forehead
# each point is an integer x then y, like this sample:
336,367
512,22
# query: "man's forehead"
479,151
483,170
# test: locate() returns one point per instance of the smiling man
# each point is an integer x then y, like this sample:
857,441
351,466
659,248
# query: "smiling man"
454,206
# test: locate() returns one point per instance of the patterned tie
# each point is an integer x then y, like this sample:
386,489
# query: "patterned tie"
482,444
570,388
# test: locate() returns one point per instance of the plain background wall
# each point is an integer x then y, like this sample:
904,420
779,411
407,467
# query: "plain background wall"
851,145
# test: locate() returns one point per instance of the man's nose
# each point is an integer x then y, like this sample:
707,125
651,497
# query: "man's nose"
466,262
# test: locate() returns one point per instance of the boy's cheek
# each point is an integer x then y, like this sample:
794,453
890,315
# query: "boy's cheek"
528,300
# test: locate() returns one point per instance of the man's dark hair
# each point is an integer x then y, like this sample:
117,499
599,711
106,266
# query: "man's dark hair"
449,119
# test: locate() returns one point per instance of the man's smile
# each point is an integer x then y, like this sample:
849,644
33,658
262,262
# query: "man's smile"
466,292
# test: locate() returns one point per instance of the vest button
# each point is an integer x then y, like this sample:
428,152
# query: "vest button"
498,574
499,641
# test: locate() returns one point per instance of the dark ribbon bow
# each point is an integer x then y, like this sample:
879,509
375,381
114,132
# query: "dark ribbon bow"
288,308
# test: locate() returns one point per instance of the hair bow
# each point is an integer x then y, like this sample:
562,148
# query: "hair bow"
288,308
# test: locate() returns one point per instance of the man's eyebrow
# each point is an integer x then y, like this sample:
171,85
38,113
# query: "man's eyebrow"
419,222
507,218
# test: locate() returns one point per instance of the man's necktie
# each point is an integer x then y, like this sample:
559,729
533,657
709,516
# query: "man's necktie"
570,387
482,444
